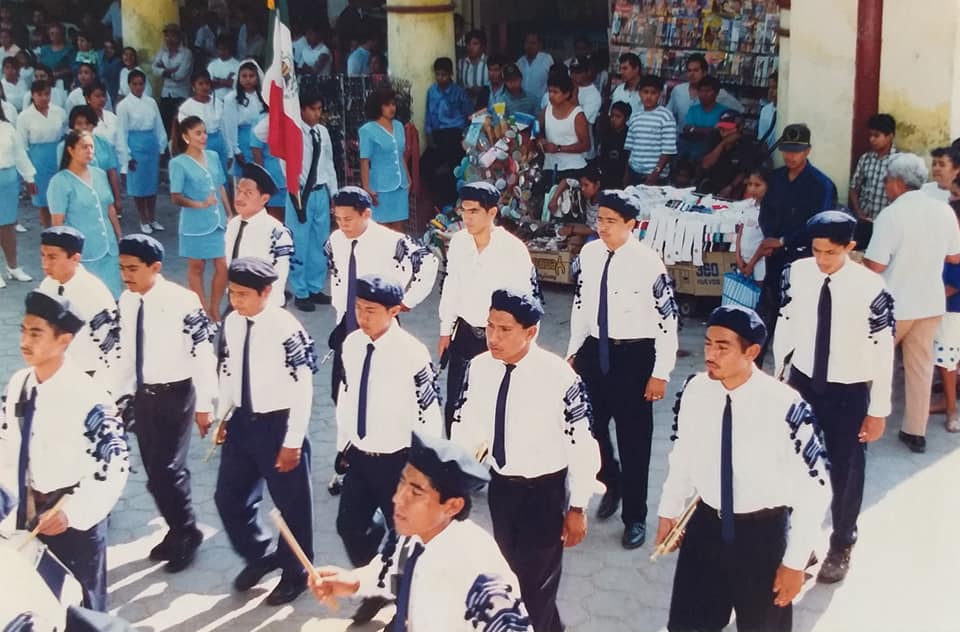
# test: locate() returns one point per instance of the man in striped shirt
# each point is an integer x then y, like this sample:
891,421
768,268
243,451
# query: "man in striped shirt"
472,69
651,136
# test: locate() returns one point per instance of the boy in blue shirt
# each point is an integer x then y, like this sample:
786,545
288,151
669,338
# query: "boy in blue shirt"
448,107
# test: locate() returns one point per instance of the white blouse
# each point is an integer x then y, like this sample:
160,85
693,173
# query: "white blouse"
13,152
211,112
35,128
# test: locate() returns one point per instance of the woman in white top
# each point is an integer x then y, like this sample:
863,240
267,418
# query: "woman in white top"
242,108
58,95
10,112
13,160
86,77
140,141
566,132
42,126
130,63
205,106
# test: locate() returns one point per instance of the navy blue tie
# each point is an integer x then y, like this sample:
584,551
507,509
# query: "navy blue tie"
602,319
236,242
350,318
26,429
726,474
246,397
362,395
500,420
821,349
403,595
139,349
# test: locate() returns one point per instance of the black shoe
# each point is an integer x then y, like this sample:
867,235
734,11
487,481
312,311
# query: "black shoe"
287,590
161,552
251,575
608,504
304,305
835,567
336,484
634,535
916,443
369,608
183,552
320,298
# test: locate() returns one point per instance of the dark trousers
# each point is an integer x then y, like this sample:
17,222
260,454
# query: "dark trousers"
465,346
168,107
335,342
840,410
527,519
714,578
85,554
164,423
619,395
438,162
248,459
368,485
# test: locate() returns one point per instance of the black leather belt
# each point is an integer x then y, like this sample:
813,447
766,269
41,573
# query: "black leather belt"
620,342
524,481
377,455
262,416
156,389
760,514
480,333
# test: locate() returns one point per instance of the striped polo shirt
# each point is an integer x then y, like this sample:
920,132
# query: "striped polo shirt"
473,75
650,134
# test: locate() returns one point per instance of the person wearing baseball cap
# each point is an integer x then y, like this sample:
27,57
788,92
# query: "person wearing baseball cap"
514,96
730,157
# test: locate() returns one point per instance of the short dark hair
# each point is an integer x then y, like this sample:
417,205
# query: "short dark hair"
709,82
476,34
309,97
496,60
650,81
11,61
92,87
950,152
38,86
761,172
535,34
377,100
630,58
592,173
135,73
198,75
85,112
447,494
697,58
883,123
622,107
225,41
561,81
443,64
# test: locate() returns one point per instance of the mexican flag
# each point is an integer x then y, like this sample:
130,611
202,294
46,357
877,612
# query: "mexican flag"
280,92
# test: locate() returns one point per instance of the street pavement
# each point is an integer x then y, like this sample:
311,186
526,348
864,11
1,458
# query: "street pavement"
903,574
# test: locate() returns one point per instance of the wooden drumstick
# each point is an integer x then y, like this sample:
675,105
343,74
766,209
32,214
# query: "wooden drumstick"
291,541
36,530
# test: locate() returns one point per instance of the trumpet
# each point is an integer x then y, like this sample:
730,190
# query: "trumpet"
676,532
219,434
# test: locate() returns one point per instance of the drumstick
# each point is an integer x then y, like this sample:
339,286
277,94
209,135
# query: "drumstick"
297,550
36,530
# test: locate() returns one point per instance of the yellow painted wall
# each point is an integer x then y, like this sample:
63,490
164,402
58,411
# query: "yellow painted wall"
143,24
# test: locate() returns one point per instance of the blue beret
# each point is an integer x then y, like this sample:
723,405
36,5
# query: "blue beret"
741,320
265,182
376,289
53,309
524,307
837,226
447,465
144,247
353,196
483,192
621,202
66,237
252,272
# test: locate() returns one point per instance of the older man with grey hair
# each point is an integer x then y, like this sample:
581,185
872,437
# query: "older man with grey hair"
912,238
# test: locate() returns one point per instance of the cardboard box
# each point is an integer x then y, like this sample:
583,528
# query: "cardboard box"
552,266
705,280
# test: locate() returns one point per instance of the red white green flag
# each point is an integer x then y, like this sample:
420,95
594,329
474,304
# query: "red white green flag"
281,94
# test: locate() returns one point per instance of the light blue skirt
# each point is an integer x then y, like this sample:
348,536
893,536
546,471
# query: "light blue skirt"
394,206
44,159
9,195
216,142
107,269
210,246
243,142
146,151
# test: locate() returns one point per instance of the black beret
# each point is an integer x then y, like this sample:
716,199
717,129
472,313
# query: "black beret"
483,192
144,247
376,289
741,320
66,237
353,196
837,226
524,307
53,309
620,202
448,466
252,272
265,183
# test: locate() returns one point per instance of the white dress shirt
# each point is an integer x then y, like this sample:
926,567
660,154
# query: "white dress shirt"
224,69
283,360
547,420
13,153
778,459
177,85
211,112
137,114
107,128
912,236
75,439
234,115
309,55
265,238
590,102
96,347
177,341
76,98
621,94
125,85
402,392
382,251
326,171
861,327
933,190
13,93
535,73
58,97
461,582
640,301
472,276
37,128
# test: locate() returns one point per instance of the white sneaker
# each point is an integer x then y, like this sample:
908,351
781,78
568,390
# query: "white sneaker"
157,225
3,283
17,274
146,229
20,228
